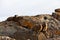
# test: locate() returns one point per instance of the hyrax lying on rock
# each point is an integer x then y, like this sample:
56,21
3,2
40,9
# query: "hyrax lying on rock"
48,25
32,22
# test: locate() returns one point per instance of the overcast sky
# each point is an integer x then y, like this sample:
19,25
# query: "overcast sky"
27,7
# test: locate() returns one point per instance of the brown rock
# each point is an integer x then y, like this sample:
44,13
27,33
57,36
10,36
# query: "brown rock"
57,10
56,14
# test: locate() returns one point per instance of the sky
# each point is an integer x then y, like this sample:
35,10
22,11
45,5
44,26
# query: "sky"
27,7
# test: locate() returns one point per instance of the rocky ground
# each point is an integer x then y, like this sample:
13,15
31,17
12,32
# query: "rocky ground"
39,27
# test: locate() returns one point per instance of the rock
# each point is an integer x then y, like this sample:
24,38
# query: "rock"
6,38
57,10
56,14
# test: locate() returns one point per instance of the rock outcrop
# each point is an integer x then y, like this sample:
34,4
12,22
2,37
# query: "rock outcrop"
56,14
39,27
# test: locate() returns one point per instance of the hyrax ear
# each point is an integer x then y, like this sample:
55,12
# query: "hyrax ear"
16,16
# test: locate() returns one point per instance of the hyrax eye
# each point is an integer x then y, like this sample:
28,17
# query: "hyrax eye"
45,18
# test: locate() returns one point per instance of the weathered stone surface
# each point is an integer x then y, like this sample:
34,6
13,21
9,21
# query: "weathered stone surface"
57,10
56,14
39,27
6,38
